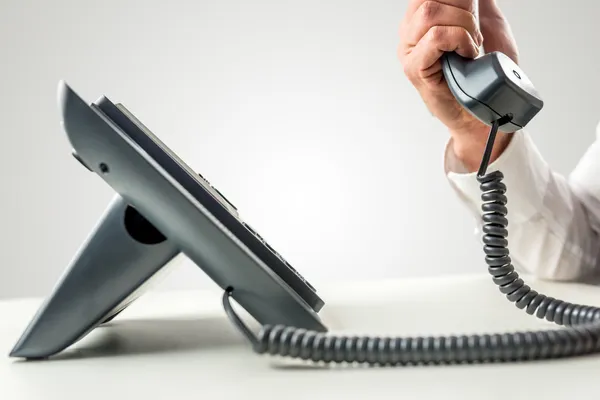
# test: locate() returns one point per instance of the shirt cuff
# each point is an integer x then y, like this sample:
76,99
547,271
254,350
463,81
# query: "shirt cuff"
526,177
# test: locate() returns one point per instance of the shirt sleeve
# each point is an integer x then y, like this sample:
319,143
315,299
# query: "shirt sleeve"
553,219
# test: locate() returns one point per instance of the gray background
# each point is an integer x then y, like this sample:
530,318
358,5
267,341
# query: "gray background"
297,110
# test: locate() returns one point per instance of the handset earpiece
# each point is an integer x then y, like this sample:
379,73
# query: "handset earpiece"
492,86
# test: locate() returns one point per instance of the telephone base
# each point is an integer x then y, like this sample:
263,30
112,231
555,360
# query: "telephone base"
118,260
163,208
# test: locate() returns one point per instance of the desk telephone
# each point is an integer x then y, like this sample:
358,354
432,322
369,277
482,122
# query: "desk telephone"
163,208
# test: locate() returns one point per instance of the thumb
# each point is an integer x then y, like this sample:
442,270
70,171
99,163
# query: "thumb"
497,35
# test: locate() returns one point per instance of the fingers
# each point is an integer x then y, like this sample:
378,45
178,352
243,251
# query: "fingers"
414,5
437,40
428,17
430,29
434,13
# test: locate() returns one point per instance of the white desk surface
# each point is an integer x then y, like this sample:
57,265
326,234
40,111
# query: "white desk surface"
179,345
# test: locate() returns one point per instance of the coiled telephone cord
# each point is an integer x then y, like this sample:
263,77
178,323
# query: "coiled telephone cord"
580,334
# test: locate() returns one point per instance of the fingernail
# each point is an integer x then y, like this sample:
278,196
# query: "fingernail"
479,38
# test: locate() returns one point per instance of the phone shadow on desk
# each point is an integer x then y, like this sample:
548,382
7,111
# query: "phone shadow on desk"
131,337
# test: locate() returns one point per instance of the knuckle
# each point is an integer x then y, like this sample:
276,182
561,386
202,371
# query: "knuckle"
468,5
429,10
437,34
455,35
458,31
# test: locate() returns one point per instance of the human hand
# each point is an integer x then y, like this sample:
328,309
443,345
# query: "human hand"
429,29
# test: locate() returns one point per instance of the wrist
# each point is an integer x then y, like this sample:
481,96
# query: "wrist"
468,147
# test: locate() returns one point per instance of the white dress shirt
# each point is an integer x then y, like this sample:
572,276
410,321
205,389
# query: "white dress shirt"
553,220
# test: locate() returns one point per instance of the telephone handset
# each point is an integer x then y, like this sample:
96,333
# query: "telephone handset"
491,87
164,208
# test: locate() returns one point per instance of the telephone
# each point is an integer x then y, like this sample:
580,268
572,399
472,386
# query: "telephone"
163,208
